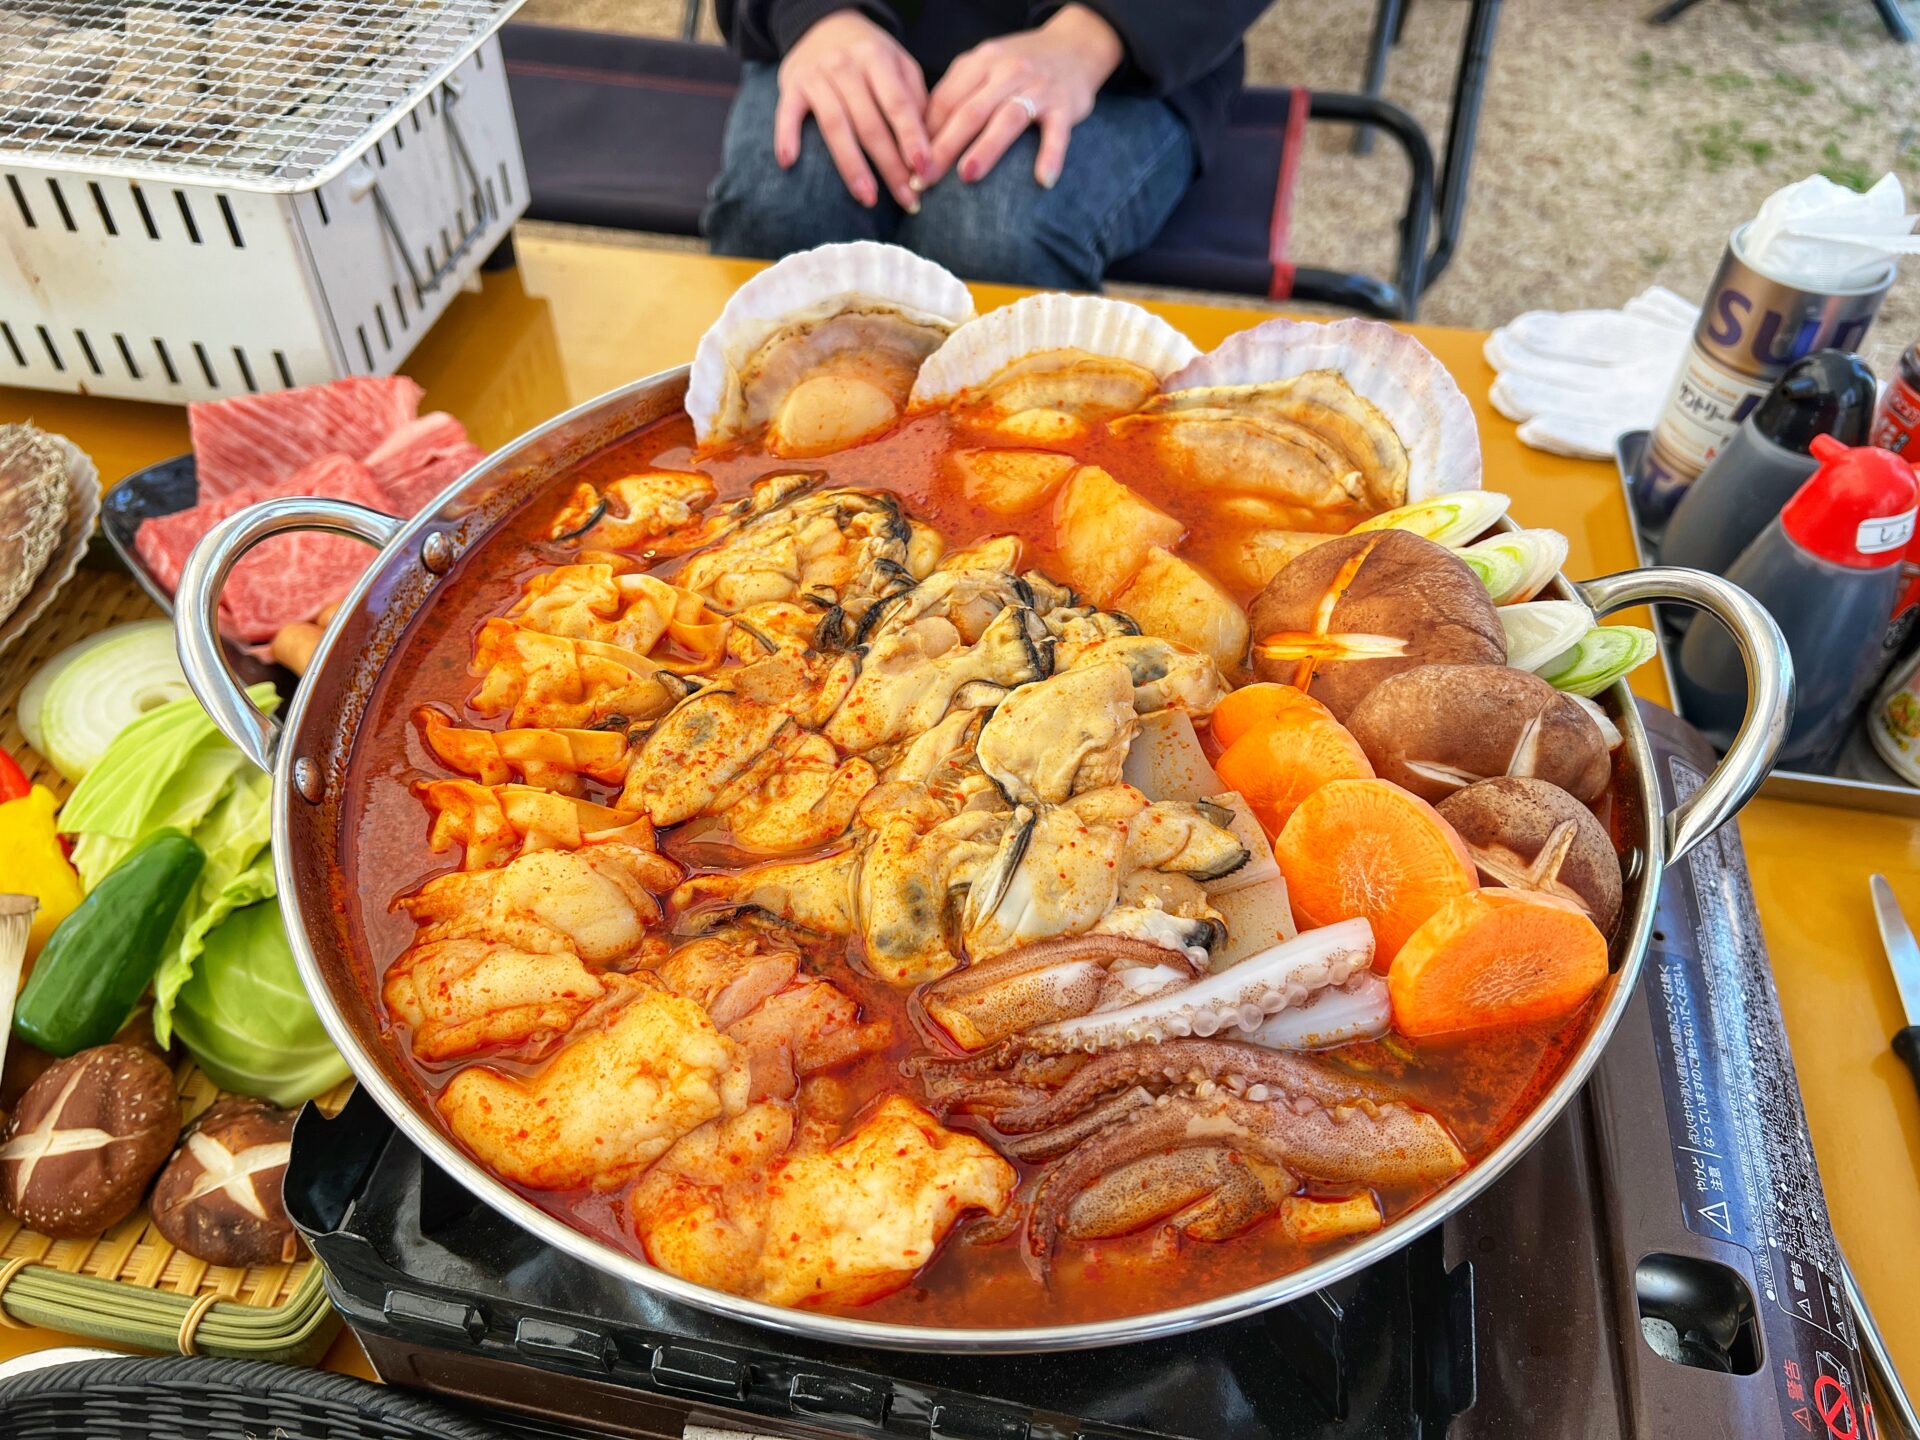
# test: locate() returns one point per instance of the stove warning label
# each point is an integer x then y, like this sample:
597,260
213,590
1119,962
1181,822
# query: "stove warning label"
1742,1161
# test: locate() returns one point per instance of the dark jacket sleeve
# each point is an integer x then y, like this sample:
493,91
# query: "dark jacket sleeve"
767,29
1170,45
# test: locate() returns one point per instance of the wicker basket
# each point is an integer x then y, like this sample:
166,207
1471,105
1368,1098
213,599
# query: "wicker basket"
130,1286
173,1399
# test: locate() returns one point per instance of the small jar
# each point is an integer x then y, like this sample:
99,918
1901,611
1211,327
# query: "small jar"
1893,721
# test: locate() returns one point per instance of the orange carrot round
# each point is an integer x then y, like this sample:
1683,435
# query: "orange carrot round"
1282,760
1252,705
1368,848
1496,957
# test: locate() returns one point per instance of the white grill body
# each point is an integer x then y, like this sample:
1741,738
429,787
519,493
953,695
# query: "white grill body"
152,276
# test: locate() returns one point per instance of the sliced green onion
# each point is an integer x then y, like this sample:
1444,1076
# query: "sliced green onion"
1603,655
1541,631
1446,519
1517,566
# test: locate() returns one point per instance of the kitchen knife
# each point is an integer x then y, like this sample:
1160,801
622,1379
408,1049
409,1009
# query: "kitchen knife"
1903,955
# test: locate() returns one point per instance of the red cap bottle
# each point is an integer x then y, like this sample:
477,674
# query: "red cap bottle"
1828,568
1857,509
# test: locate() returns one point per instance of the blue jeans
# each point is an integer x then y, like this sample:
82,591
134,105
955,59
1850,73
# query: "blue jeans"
1129,164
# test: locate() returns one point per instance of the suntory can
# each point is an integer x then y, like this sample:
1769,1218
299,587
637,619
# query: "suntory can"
1750,329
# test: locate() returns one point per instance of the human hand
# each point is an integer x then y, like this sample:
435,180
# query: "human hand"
977,109
868,97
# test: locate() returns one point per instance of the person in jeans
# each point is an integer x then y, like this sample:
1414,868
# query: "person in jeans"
1015,140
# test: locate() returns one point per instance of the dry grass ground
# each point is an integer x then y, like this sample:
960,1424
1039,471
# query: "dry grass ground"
1612,154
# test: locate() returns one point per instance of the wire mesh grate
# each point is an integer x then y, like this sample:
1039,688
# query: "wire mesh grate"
258,94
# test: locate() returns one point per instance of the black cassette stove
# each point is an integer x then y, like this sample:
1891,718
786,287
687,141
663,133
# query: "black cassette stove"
1659,1264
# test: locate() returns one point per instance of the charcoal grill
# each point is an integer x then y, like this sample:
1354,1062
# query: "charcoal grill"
206,198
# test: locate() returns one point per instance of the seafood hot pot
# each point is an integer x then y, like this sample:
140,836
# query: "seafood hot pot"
310,751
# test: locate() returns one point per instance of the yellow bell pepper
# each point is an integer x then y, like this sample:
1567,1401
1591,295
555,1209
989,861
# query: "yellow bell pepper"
35,864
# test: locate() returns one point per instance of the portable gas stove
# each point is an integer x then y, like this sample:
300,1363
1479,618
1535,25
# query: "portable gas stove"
1660,1264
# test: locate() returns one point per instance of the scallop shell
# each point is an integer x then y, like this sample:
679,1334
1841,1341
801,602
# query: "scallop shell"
915,302
37,467
1385,366
987,353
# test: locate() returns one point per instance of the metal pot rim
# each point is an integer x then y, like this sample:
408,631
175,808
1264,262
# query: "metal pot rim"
200,652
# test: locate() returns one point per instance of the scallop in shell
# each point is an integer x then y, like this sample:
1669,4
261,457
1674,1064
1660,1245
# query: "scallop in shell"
33,508
1040,368
1353,412
822,348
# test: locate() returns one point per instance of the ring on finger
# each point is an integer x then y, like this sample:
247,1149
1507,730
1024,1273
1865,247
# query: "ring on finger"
1029,105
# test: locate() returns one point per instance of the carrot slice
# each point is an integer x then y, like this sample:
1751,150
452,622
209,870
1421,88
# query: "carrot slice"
1496,957
1250,705
1281,761
1369,848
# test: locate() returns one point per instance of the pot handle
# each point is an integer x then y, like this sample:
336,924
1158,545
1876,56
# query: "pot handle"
197,604
1769,688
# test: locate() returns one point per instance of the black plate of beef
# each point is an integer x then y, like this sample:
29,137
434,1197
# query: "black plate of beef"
166,489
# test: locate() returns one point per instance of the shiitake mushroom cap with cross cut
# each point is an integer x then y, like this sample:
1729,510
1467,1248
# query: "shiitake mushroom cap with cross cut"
1440,728
1526,834
86,1138
1341,618
219,1199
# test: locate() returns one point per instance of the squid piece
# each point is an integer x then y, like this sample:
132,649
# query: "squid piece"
553,760
1052,980
1214,1164
1057,737
701,1211
631,612
608,1104
497,823
595,903
550,681
462,996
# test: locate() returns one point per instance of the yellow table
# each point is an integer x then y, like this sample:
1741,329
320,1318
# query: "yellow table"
576,319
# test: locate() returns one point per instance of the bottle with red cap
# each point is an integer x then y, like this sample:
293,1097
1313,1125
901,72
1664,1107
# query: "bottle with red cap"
1828,568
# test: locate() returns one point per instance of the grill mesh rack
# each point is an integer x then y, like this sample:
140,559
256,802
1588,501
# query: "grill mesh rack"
271,95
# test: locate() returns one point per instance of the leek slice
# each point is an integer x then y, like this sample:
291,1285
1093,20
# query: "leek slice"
1449,520
1517,566
1603,655
1541,631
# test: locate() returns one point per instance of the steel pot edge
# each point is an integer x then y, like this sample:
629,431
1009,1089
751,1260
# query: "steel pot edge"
309,751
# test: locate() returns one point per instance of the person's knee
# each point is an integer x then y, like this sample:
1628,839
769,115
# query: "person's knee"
1004,228
757,208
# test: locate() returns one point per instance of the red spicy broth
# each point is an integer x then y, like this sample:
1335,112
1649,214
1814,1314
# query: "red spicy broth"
1481,1086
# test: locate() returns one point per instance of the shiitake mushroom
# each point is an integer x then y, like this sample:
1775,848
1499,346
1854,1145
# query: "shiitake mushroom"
86,1138
219,1199
1344,616
1440,728
1526,834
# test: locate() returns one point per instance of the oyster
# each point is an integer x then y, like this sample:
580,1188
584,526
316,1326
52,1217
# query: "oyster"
1062,735
1039,368
822,348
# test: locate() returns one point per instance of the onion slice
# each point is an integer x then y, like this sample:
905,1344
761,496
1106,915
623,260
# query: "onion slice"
96,689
